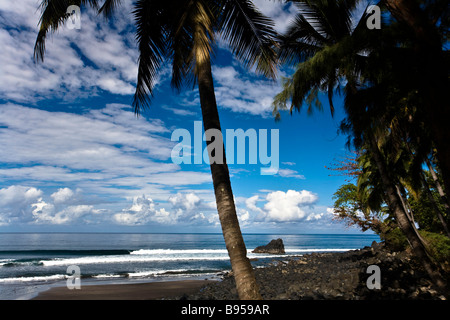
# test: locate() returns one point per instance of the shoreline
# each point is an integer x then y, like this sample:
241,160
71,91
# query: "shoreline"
155,290
316,276
336,276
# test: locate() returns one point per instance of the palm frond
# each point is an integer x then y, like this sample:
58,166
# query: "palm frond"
108,7
300,41
320,41
333,19
53,15
250,35
151,38
319,72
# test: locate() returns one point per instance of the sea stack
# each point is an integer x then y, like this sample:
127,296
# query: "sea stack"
273,247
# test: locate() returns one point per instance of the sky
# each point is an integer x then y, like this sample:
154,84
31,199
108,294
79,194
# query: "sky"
75,158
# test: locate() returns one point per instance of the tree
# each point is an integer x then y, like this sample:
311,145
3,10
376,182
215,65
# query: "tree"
183,32
375,66
350,207
429,24
325,47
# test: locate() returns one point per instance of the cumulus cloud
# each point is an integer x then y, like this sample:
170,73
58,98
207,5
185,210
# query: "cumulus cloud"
15,203
21,204
190,208
188,201
62,195
185,208
251,204
47,213
29,205
289,206
141,212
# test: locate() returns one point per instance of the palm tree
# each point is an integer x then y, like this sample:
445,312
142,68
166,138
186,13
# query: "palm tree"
183,32
429,24
327,48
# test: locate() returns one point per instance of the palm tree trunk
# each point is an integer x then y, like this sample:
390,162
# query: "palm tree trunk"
438,185
433,200
405,224
242,269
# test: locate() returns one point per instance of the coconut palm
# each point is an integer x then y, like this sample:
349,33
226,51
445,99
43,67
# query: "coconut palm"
326,47
429,22
182,32
377,137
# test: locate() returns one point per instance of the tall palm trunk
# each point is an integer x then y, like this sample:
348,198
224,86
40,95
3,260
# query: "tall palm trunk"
242,269
434,204
402,219
439,188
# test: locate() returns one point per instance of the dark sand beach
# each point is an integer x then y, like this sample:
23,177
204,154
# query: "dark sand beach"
317,276
135,291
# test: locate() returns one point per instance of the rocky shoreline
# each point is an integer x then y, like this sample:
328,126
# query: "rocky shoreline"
334,276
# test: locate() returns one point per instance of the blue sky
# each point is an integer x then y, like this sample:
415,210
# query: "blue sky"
74,156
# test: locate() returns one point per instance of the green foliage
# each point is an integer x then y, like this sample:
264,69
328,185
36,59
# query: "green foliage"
438,245
394,239
350,207
425,212
181,33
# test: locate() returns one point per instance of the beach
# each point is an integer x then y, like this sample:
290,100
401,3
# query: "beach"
316,276
33,263
135,291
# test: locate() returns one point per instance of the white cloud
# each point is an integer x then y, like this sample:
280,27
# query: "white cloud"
280,206
243,94
287,206
180,112
243,216
77,62
21,204
188,201
186,208
104,56
251,204
190,208
62,195
142,212
289,173
108,145
109,153
281,13
47,213
15,203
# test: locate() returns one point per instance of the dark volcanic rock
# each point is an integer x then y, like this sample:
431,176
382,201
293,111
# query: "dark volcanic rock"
334,276
273,247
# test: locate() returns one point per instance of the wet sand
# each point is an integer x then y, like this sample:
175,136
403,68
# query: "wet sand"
135,291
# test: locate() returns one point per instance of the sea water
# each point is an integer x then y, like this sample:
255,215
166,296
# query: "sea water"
33,262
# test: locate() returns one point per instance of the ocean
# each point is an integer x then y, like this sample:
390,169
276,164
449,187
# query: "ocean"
33,262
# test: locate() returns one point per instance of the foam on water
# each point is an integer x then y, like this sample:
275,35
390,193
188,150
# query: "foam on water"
29,262
34,279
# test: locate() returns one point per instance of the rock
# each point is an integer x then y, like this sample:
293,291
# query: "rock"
334,276
273,247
